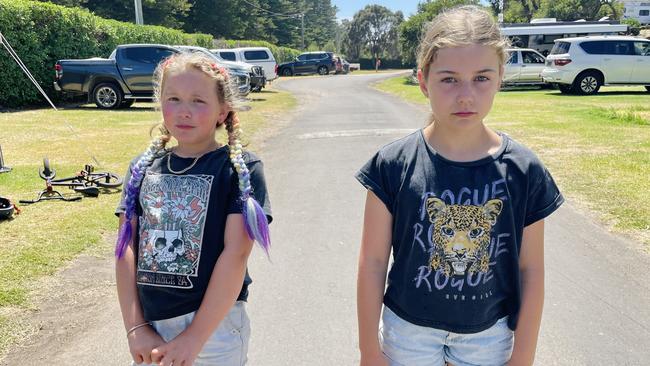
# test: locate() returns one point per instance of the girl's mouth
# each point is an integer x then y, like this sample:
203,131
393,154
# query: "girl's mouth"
464,114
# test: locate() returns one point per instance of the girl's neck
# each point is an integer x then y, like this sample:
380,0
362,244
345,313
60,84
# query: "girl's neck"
193,151
462,145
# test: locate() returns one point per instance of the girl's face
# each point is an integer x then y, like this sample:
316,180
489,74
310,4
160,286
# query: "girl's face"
191,108
461,84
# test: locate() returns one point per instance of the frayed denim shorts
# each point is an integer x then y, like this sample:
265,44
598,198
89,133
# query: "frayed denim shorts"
227,346
407,344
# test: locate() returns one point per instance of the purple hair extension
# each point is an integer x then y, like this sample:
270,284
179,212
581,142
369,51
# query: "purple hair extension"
133,191
255,221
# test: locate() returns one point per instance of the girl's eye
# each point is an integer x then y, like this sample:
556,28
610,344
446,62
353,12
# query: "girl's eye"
482,78
448,80
172,99
199,101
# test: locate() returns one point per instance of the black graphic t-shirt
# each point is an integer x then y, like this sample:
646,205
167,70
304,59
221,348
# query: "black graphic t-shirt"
181,226
457,230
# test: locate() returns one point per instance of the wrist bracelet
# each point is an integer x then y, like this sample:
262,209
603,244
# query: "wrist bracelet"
136,327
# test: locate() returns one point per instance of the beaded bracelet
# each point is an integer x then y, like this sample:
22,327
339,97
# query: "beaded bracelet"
136,327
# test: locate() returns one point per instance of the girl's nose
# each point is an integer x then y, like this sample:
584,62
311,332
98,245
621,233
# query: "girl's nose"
184,111
465,94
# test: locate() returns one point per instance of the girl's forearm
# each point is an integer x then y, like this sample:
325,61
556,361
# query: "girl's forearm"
221,294
530,317
127,291
370,291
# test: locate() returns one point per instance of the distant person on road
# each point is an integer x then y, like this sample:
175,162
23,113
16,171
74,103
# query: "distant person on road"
377,64
188,219
462,207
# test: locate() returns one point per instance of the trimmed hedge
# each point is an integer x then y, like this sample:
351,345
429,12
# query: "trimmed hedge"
42,33
281,54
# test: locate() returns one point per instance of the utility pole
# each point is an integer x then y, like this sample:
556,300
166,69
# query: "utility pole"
138,12
500,11
302,22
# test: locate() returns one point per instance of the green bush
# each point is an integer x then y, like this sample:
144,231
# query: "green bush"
281,54
42,33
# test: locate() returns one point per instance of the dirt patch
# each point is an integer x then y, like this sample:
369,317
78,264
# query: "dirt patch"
63,304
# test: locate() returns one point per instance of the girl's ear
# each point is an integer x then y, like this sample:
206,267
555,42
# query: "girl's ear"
223,114
423,83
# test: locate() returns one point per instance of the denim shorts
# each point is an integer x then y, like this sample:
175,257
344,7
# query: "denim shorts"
407,344
227,346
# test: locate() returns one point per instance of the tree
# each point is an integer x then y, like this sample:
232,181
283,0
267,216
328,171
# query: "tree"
411,29
374,29
168,13
320,22
521,11
570,10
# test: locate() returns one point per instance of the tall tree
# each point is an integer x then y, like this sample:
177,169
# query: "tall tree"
373,29
411,30
320,22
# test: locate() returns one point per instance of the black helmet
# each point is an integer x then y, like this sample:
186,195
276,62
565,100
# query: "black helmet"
6,208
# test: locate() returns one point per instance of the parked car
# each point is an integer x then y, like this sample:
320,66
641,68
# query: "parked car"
309,63
524,67
581,65
260,56
256,79
115,82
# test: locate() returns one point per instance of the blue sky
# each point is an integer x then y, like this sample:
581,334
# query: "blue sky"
347,8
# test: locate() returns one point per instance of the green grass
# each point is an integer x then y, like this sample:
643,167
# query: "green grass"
47,235
597,147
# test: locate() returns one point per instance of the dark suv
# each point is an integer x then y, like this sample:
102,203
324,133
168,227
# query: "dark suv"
309,63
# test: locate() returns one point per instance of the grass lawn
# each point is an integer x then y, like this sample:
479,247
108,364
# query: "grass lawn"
46,235
597,147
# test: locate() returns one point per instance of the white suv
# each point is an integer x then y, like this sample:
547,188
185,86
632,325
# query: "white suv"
260,56
581,65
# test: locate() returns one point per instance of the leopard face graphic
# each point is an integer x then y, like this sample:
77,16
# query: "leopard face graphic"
461,235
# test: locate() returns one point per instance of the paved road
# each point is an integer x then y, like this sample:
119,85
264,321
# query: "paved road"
302,305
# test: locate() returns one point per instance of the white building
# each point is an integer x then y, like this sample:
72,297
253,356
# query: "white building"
639,10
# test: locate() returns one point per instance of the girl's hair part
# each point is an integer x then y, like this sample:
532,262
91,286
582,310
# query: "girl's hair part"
460,26
255,220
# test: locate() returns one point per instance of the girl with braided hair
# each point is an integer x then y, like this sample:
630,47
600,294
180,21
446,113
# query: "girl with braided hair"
188,219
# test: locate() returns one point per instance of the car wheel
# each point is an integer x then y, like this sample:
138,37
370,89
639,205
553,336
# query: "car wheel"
647,88
107,96
286,72
565,89
323,70
587,83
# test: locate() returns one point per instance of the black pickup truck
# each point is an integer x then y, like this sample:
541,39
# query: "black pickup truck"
126,75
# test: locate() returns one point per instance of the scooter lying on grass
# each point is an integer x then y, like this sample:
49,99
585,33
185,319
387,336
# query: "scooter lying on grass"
7,208
87,182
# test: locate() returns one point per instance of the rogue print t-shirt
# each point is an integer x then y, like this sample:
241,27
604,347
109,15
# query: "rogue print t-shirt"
457,229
